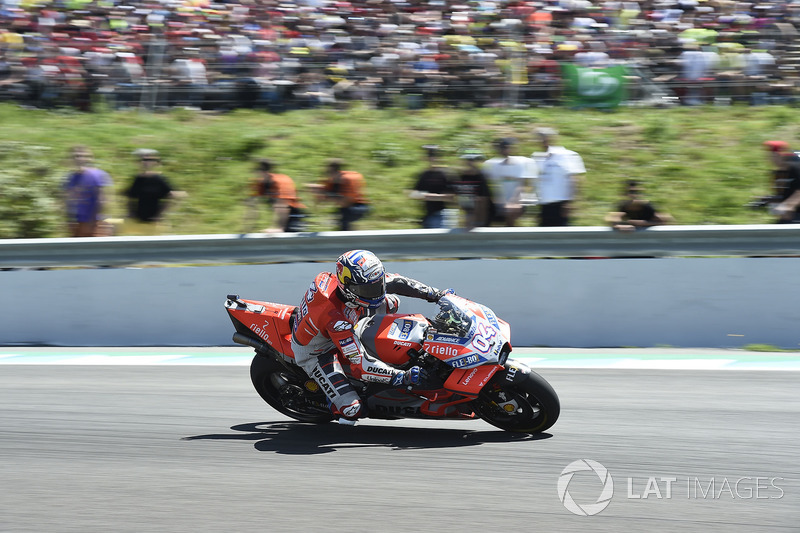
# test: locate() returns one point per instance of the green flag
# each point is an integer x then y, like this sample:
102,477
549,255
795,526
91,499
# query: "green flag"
593,87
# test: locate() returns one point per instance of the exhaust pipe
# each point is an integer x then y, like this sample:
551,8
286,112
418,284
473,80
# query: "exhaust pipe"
239,338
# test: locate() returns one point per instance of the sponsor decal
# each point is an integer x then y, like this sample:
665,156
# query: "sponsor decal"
401,329
406,329
403,343
486,379
350,351
467,360
323,284
370,267
311,385
301,314
441,349
470,376
323,381
446,338
352,314
312,291
342,325
376,379
255,328
490,316
511,373
380,370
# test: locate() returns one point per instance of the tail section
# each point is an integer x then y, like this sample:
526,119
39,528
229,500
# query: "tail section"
262,322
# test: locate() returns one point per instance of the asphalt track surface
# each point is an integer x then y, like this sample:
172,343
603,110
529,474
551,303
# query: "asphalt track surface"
193,448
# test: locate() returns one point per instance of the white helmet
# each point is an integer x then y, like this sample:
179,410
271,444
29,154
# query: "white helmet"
362,278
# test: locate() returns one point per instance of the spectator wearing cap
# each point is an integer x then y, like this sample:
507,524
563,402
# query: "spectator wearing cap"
509,176
559,179
472,188
778,153
435,188
149,196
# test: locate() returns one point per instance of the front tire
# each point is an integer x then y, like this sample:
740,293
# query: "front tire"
529,405
286,392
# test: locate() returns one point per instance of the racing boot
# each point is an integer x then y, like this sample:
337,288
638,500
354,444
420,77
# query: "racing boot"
347,414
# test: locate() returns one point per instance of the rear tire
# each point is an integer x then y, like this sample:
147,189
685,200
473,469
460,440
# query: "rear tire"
528,406
266,371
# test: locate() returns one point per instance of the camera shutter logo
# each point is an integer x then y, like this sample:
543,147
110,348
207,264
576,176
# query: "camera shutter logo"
585,465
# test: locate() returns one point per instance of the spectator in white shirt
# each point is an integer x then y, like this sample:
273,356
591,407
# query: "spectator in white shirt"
509,178
559,172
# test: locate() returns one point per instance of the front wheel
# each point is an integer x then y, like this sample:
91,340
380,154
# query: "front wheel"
290,393
529,405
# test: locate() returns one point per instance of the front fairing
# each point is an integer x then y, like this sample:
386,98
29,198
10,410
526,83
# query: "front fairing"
466,334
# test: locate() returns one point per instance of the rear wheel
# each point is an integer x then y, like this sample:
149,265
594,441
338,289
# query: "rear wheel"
292,393
528,406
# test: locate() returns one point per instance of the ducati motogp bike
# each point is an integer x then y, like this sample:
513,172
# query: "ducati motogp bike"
464,351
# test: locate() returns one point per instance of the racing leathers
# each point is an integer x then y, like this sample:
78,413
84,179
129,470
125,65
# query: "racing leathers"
326,347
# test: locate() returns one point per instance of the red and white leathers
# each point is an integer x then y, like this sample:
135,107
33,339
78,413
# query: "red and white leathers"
323,339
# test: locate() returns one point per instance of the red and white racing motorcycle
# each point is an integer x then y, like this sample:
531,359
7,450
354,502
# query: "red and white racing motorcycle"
464,350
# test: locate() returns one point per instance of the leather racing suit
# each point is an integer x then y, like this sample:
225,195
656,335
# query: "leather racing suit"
323,339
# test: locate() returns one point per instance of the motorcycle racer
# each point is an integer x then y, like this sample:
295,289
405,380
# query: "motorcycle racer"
323,339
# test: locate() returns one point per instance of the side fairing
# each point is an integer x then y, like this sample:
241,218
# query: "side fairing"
390,337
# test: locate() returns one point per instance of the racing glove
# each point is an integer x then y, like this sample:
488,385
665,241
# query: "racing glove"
438,295
412,376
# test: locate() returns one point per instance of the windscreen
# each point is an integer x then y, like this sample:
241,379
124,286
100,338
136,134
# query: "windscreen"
452,318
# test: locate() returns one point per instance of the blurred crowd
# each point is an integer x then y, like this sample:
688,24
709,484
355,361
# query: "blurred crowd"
281,55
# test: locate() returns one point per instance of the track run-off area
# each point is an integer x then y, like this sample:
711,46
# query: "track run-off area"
176,439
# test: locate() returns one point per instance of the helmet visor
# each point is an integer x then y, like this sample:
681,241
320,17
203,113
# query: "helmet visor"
370,291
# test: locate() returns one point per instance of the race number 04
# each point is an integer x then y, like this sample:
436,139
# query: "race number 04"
481,342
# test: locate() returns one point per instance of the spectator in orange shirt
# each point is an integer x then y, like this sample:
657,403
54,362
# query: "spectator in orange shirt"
346,189
287,210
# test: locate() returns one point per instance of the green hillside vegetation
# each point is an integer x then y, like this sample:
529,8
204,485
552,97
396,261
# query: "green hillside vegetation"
699,164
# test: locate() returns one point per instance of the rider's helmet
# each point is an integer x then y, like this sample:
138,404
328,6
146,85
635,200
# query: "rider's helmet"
362,278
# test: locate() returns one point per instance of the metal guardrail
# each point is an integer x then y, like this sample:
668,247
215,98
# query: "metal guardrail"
664,241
